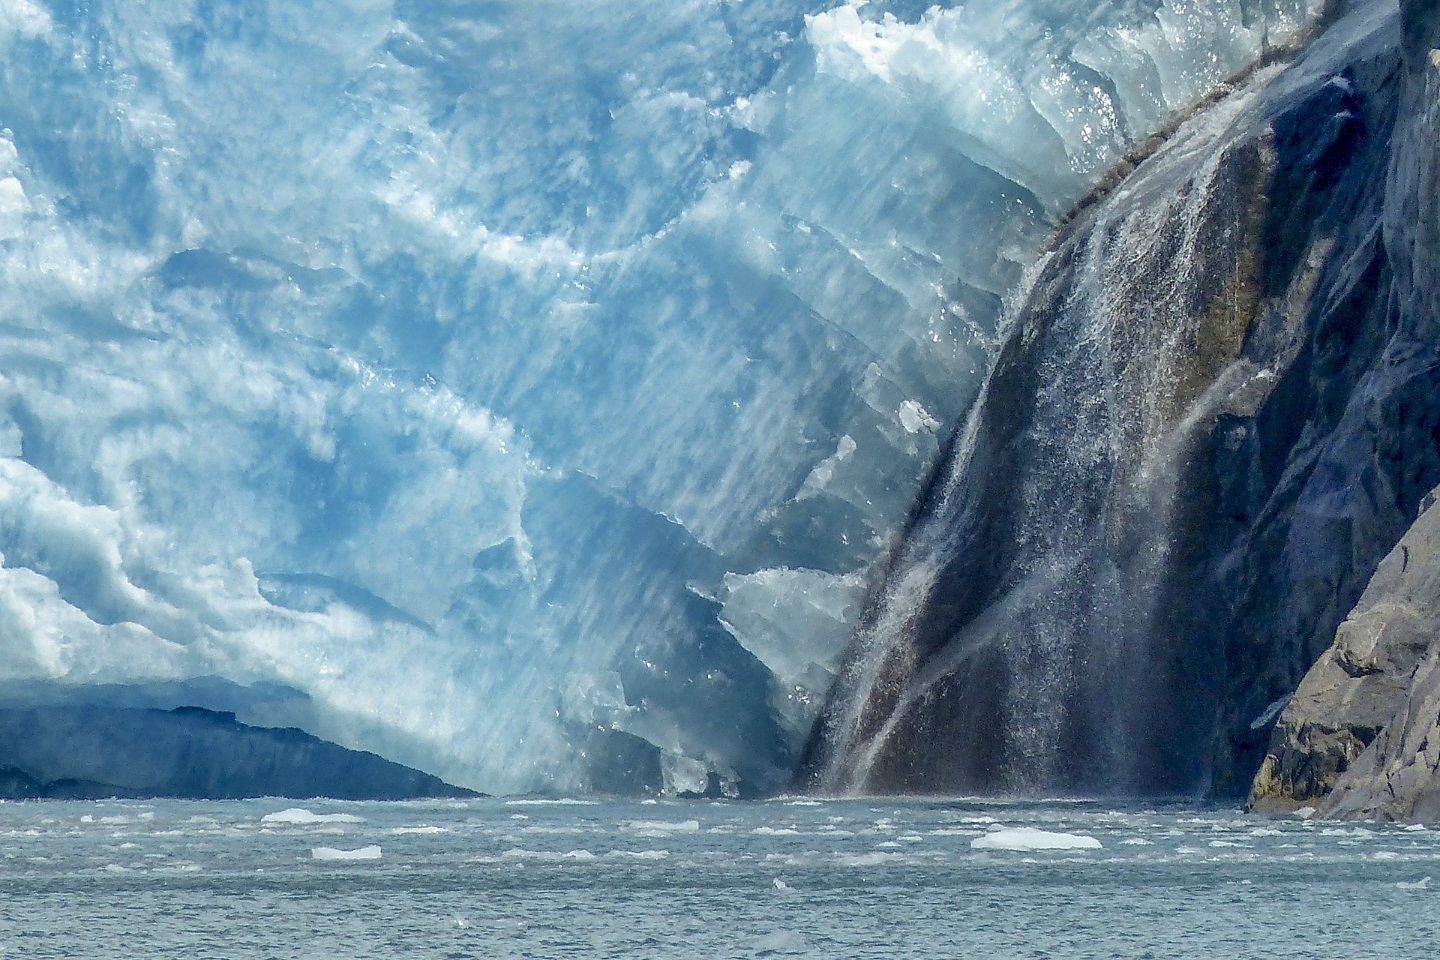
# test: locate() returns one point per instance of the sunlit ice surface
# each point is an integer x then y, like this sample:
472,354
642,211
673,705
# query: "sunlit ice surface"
527,388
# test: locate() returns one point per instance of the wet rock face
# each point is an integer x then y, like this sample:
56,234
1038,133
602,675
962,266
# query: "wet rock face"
1361,737
1217,411
1412,215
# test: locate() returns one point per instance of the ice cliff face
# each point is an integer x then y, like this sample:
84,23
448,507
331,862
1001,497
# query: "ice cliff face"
1217,409
530,387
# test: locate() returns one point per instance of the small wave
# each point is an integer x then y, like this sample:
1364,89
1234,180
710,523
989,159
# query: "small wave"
867,859
780,943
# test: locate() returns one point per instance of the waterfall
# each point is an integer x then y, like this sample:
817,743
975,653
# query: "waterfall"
1059,617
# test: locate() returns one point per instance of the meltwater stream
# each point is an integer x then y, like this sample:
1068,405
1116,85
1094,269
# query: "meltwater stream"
785,878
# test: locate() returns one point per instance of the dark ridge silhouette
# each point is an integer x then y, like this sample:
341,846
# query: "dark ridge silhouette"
87,752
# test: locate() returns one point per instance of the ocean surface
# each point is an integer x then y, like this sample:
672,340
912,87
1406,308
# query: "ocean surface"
784,878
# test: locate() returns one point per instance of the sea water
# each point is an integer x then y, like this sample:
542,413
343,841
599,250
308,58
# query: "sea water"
783,878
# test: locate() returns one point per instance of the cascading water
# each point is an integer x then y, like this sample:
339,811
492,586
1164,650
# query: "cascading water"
1052,655
1089,593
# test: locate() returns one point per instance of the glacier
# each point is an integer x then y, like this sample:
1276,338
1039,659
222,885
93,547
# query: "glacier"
532,391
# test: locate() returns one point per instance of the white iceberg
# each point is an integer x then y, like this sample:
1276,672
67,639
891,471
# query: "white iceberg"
299,816
1027,839
330,853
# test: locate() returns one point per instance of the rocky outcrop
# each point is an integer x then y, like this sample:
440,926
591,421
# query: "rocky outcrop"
1361,736
1217,410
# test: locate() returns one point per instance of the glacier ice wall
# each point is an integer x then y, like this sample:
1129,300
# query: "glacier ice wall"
517,380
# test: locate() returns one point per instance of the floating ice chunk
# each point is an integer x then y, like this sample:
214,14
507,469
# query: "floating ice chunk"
301,816
1305,813
406,831
1028,838
330,853
666,826
1420,884
781,885
553,856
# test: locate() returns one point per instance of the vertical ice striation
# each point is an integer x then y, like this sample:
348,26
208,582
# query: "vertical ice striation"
517,380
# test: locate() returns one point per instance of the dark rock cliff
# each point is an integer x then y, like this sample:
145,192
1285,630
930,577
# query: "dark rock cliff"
1217,409
1361,737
